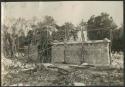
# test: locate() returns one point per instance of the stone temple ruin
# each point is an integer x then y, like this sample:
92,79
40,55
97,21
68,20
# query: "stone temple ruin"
91,52
94,52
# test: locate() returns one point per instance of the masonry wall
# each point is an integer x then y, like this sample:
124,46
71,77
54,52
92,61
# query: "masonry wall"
58,53
73,53
94,52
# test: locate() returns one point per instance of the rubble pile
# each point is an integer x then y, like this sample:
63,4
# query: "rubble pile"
118,60
96,77
35,76
16,73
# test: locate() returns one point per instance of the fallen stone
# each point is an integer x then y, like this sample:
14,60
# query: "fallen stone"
78,84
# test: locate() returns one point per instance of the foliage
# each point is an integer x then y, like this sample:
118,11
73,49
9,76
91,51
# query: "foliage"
104,23
42,33
103,26
49,20
118,39
65,32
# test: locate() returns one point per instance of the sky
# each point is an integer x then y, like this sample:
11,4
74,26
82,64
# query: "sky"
64,11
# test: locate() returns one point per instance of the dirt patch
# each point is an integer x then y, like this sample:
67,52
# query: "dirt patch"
25,74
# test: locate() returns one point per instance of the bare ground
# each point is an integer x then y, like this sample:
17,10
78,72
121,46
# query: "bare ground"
24,74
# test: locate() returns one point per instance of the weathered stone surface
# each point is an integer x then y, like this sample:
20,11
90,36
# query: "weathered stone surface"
94,52
73,54
58,53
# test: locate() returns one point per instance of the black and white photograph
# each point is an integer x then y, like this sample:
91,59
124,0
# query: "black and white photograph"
62,43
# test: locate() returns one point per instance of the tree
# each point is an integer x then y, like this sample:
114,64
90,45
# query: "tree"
21,38
49,21
18,35
59,35
69,28
118,39
65,32
47,26
29,37
43,37
99,27
6,41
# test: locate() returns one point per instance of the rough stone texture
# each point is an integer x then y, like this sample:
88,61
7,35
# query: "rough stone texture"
94,52
58,53
73,53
